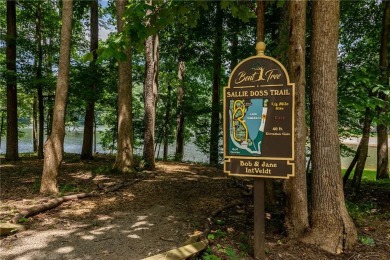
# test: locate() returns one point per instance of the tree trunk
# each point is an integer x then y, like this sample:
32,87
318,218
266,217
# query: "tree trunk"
54,145
35,124
87,148
332,228
297,216
12,152
124,156
166,123
180,114
38,27
234,43
215,106
361,162
150,96
352,164
260,13
382,171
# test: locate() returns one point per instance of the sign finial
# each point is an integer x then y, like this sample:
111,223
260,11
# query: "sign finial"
260,48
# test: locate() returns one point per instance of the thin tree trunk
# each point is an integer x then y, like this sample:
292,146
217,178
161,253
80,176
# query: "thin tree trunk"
382,171
1,125
361,162
297,216
180,113
35,124
234,43
352,164
124,156
149,118
87,148
54,145
215,106
332,228
12,152
38,26
166,123
150,96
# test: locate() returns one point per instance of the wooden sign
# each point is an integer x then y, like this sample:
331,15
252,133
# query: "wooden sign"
259,119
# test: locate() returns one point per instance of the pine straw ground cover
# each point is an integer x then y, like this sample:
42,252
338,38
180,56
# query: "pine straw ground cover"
159,212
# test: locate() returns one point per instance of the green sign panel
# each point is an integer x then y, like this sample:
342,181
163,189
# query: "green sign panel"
259,119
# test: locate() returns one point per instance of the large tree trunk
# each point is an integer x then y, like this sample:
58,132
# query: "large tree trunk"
180,113
38,26
54,145
12,152
150,96
215,106
332,228
382,171
87,148
124,156
361,161
297,216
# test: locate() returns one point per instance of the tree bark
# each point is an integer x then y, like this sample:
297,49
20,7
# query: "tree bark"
234,43
87,148
54,145
297,216
124,156
166,123
352,164
35,124
361,162
12,152
38,26
180,113
150,95
332,228
215,106
382,171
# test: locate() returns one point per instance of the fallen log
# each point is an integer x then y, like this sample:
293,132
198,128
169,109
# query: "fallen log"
7,228
49,205
35,210
180,253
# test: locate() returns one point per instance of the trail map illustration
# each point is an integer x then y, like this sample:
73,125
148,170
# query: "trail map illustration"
247,122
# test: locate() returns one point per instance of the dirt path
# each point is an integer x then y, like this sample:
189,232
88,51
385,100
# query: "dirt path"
147,218
160,212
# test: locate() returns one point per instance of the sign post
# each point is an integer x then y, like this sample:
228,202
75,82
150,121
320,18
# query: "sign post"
258,129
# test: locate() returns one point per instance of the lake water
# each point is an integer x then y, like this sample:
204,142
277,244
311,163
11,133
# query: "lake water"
74,138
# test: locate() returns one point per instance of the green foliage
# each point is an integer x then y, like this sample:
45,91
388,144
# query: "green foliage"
231,254
66,188
23,220
366,240
360,211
